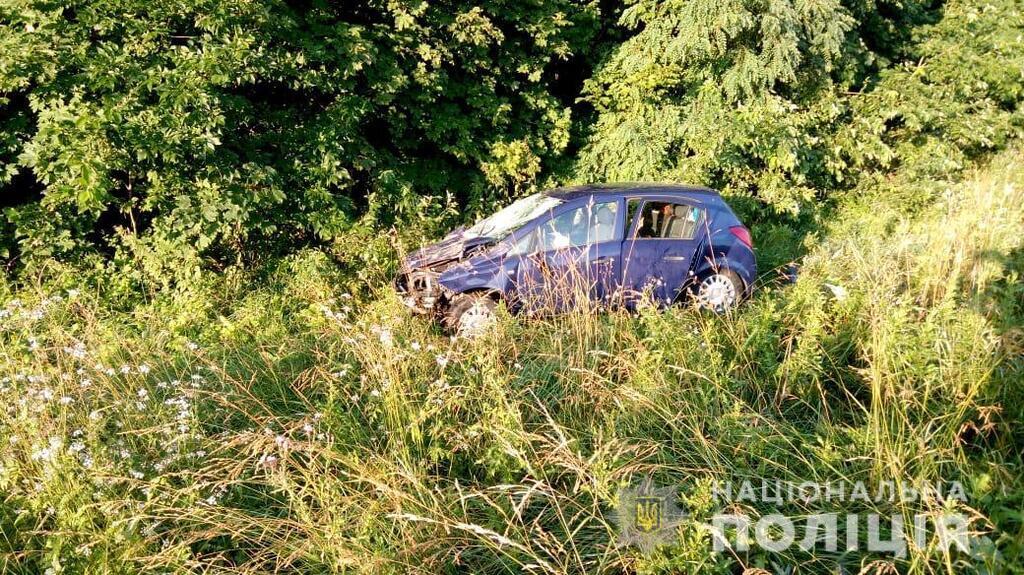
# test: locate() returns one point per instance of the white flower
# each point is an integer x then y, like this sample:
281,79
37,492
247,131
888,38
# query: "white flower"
192,346
143,369
307,429
415,346
143,394
386,338
135,474
85,383
442,360
73,293
67,400
76,351
267,460
375,393
126,369
282,442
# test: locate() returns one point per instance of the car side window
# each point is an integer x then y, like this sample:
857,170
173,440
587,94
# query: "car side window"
523,243
668,221
589,224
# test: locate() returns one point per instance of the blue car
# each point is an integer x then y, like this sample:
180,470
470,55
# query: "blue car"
596,245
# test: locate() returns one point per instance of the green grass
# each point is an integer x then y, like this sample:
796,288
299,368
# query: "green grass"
280,425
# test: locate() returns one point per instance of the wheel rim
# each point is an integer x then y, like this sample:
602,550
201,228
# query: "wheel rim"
476,320
717,292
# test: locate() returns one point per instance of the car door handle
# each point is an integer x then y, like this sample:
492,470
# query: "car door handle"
675,258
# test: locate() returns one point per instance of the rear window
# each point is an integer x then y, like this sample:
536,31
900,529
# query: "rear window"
668,221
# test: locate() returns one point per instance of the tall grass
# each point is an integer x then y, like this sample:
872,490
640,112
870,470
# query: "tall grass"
287,426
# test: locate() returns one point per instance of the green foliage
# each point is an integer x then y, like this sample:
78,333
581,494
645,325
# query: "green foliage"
213,127
790,101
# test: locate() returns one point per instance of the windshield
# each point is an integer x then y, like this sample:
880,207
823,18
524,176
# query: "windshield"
506,221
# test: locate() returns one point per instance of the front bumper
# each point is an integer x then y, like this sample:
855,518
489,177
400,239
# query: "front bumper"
421,291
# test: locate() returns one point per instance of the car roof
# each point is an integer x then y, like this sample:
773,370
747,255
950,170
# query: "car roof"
629,188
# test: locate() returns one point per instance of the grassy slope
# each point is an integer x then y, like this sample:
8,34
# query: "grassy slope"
241,427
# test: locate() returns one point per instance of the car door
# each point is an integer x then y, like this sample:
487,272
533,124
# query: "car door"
573,256
658,252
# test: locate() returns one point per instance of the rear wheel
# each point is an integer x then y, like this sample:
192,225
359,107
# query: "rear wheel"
471,315
718,291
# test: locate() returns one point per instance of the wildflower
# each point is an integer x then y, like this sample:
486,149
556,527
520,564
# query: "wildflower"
386,338
143,369
67,400
94,415
73,293
192,346
143,394
33,345
442,360
126,369
415,346
135,474
375,393
267,460
307,429
76,351
282,442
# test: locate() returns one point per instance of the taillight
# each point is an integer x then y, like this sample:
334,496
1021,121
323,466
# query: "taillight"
743,235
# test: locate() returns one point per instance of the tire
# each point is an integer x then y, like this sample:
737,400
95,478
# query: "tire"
719,291
471,315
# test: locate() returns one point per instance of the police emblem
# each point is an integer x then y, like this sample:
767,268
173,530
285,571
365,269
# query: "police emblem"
648,516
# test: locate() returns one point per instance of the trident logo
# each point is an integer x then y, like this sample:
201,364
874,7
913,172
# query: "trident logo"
648,516
648,513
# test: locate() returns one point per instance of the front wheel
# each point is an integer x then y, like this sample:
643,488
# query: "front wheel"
471,315
718,291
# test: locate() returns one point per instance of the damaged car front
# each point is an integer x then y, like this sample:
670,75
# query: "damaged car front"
466,260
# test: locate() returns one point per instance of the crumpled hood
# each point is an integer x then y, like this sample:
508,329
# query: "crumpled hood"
451,248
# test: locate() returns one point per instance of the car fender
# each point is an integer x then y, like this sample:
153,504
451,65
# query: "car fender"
739,259
479,274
